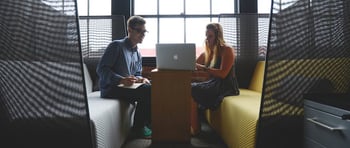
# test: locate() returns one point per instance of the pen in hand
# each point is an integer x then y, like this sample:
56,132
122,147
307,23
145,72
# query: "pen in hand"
128,81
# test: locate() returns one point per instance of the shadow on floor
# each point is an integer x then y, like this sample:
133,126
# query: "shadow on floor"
207,138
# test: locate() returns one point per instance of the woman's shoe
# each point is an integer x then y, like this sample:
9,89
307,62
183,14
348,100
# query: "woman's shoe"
194,132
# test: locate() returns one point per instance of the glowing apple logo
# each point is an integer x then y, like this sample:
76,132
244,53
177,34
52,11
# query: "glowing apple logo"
175,57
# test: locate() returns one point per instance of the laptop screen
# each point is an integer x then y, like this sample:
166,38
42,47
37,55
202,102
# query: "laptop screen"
176,56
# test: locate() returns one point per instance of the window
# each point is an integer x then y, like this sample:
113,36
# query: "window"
178,21
264,6
94,7
96,25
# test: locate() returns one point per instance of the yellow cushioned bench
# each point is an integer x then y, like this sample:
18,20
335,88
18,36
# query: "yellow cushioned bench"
236,118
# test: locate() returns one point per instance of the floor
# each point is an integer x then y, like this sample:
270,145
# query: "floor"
207,138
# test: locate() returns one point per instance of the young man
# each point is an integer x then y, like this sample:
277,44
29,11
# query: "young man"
121,64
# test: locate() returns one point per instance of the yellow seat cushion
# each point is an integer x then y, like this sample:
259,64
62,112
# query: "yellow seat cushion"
236,118
256,83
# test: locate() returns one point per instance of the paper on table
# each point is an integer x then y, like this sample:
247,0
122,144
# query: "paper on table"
134,86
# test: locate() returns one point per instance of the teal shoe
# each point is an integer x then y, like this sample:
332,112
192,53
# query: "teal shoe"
144,132
147,132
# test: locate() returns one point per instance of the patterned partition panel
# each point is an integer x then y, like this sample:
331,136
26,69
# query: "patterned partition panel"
42,93
308,52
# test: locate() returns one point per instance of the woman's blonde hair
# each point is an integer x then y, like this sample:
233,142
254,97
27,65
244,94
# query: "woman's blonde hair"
219,42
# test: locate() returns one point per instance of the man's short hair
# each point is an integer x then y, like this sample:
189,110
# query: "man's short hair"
134,21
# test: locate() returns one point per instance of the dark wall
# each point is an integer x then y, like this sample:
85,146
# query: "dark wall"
245,65
248,6
121,7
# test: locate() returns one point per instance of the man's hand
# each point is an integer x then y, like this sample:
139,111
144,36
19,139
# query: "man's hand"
128,81
143,80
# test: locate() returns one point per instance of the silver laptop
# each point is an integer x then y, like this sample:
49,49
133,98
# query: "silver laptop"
176,56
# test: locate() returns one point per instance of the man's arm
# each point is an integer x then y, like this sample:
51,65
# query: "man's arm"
104,69
138,74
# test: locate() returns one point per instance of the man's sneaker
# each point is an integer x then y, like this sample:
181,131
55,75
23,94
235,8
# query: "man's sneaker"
147,132
143,132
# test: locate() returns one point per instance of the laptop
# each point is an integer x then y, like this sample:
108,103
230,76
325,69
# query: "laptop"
176,56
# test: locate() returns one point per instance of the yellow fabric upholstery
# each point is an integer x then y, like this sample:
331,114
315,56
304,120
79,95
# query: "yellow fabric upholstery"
236,118
256,83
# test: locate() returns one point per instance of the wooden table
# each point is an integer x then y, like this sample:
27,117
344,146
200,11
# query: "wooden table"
171,100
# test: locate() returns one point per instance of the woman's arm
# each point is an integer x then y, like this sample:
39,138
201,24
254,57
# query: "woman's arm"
199,74
227,61
200,62
201,59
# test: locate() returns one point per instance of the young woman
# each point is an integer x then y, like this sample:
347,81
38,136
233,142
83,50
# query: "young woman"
217,65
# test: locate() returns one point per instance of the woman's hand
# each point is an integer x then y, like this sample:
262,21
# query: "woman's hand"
200,67
198,76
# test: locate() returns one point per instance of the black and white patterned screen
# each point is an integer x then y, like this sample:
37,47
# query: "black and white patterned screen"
42,93
247,34
308,52
98,31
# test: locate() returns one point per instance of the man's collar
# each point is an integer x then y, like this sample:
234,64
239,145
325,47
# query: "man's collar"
129,45
128,42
